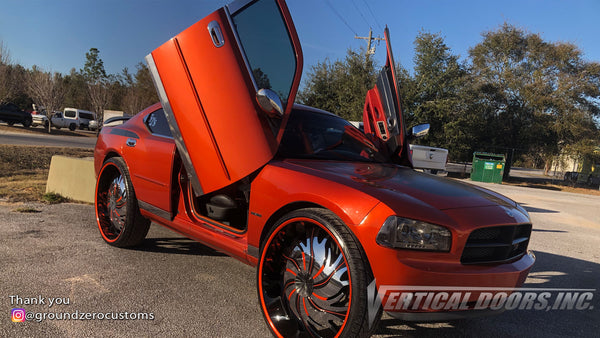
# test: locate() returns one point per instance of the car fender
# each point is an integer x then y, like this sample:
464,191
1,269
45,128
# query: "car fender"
278,190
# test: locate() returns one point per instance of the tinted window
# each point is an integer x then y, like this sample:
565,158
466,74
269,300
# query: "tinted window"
86,116
329,137
70,113
267,45
157,123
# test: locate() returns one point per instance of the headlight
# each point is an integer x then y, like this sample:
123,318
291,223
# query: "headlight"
404,233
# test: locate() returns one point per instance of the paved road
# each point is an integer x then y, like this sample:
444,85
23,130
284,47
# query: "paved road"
194,291
46,140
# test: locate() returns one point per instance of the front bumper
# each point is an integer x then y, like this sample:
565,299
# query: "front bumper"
398,271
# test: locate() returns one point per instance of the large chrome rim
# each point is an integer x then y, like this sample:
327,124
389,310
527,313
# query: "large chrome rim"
112,206
305,283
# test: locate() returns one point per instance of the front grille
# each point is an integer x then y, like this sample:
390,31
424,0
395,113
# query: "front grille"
496,244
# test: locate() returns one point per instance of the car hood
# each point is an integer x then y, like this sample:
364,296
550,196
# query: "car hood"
393,184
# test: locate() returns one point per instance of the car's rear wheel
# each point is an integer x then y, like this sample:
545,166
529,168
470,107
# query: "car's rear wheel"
312,278
117,211
72,127
27,123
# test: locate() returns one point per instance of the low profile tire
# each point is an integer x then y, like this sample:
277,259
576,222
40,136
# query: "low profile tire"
313,278
117,211
72,127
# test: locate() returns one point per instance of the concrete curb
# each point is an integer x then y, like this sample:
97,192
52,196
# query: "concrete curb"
72,177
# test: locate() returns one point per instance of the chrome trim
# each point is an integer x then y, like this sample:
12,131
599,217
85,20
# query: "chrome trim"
154,210
237,6
215,34
183,152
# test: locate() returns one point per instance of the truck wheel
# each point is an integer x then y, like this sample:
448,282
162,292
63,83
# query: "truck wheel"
312,278
72,127
117,211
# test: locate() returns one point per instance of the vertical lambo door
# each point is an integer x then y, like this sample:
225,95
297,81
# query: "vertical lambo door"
227,85
382,116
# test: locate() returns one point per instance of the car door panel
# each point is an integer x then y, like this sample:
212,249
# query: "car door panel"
209,96
382,116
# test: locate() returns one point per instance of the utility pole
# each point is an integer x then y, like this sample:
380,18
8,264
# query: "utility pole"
369,39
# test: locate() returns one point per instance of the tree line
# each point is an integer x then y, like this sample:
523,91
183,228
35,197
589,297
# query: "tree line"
514,93
89,88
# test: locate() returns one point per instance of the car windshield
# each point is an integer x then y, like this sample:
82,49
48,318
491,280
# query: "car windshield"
316,135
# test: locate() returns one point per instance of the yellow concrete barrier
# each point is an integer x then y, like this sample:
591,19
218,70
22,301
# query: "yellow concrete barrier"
72,177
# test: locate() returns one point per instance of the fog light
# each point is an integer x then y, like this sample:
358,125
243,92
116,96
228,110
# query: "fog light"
404,233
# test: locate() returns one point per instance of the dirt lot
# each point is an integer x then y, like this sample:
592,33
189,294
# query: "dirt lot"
24,170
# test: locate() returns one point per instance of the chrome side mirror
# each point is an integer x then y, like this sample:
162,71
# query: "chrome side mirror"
269,102
419,131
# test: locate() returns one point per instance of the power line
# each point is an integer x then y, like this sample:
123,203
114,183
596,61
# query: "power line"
340,17
373,15
361,15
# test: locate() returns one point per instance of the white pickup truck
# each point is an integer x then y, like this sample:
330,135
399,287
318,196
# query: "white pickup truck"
71,118
430,158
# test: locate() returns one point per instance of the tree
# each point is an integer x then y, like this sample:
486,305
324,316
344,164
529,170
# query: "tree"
6,83
536,96
97,81
434,95
47,90
140,91
340,87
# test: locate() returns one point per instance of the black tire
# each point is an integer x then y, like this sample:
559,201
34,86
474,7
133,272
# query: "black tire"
10,124
46,124
314,293
27,123
72,127
119,219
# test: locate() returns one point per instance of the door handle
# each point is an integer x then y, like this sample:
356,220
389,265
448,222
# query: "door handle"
215,34
131,142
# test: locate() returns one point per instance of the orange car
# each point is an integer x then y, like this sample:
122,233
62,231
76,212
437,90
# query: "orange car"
322,209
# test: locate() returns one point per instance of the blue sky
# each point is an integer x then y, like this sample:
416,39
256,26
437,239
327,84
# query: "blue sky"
56,34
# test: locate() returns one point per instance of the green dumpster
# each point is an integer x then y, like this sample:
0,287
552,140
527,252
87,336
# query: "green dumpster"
487,167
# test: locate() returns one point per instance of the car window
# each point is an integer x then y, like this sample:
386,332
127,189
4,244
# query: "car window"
322,136
86,116
157,123
70,113
267,45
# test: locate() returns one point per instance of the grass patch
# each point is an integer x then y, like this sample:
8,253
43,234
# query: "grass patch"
24,171
53,198
27,210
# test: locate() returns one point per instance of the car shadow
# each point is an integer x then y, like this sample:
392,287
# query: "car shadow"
178,246
549,271
537,210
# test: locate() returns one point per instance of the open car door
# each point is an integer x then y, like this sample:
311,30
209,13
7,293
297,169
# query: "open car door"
382,116
227,85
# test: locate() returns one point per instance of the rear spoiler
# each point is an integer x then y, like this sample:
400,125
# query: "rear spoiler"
117,119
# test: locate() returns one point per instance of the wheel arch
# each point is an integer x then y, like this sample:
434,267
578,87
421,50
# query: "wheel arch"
277,215
290,207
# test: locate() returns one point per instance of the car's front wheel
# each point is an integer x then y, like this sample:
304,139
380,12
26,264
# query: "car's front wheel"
117,211
313,277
